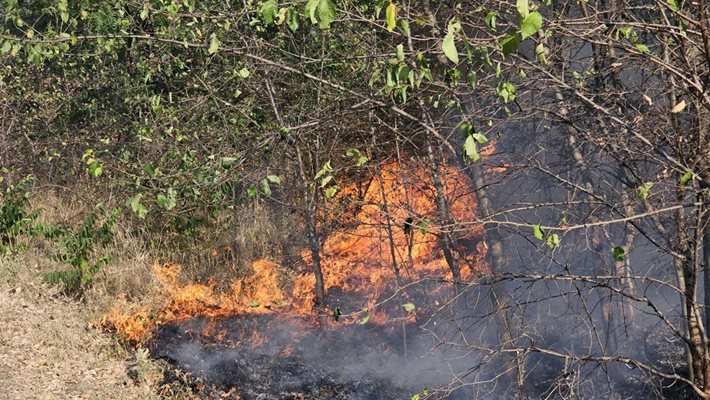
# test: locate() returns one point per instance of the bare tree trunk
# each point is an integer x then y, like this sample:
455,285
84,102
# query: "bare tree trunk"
623,268
446,236
496,259
409,222
688,268
311,234
311,231
392,246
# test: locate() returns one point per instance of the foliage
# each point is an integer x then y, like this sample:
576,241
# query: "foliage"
79,248
15,217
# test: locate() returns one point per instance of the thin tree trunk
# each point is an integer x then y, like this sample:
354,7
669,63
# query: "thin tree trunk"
496,259
392,246
446,237
409,222
312,235
623,268
311,231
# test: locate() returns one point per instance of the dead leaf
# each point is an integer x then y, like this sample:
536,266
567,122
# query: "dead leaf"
678,107
648,100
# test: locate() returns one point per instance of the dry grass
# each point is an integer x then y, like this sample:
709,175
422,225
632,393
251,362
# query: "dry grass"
49,347
228,246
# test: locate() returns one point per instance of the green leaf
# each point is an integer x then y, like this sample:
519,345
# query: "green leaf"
359,158
553,241
275,179
330,192
325,181
472,79
531,24
523,8
391,14
686,178
507,91
490,19
326,13
337,313
149,170
409,307
364,320
449,48
400,52
510,44
254,304
214,44
310,10
674,5
404,27
145,12
618,253
540,53
645,189
244,73
95,168
265,188
538,232
466,128
423,225
251,190
480,138
470,149
642,48
292,20
327,168
167,202
136,206
62,6
281,15
6,47
269,11
172,9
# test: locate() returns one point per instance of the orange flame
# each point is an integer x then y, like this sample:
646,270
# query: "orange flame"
395,211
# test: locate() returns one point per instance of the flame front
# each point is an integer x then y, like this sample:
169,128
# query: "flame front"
394,211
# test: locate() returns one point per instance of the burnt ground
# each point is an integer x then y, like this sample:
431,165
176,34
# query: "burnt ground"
286,362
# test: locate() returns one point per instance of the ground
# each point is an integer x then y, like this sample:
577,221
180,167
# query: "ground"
50,349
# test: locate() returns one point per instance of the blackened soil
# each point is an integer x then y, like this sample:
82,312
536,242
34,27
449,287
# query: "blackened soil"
224,364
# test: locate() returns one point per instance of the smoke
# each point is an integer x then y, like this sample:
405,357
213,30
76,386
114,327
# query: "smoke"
360,361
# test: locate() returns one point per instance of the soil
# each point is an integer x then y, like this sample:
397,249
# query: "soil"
49,350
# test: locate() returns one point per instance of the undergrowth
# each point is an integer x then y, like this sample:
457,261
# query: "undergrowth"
82,249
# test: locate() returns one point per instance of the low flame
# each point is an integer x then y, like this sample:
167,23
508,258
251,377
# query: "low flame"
393,212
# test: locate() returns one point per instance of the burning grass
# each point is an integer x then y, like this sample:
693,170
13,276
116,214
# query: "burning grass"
386,223
357,261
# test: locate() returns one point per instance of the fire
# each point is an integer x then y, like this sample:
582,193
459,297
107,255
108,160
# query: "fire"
393,211
358,260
